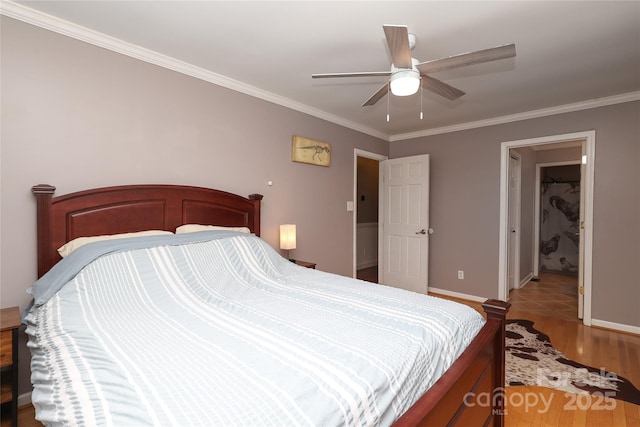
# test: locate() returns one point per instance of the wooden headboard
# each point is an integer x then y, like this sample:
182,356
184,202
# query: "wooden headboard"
130,208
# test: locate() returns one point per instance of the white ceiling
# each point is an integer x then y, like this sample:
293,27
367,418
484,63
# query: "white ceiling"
569,54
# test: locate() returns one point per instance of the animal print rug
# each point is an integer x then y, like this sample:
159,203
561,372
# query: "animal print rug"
532,360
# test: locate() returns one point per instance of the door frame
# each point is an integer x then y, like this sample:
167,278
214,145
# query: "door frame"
589,138
354,241
518,221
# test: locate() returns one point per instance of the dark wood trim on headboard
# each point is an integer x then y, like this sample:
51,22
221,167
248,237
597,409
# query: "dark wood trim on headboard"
130,208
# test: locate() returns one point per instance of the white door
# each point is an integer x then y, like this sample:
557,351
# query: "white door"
514,222
404,223
581,236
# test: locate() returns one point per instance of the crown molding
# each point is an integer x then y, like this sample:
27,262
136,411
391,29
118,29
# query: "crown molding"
60,26
567,108
69,29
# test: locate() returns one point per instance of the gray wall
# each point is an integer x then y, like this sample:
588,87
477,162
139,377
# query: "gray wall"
77,116
559,155
465,203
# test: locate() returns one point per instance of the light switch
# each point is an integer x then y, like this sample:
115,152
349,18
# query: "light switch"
349,206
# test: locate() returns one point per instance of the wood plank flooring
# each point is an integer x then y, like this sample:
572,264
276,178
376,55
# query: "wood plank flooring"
538,406
555,295
601,348
26,418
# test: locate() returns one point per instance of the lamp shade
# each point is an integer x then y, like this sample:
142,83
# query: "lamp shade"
288,236
405,82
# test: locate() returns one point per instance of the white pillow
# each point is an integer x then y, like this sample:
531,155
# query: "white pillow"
190,228
71,246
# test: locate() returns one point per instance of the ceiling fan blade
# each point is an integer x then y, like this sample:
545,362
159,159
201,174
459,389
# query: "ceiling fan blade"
377,96
357,74
398,41
441,88
470,58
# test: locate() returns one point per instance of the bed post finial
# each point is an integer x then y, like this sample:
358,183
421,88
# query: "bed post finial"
43,189
43,193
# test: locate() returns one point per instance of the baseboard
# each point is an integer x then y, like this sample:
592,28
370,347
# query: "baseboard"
616,326
24,399
433,290
367,264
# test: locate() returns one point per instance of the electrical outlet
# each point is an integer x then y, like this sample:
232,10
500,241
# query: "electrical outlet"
460,274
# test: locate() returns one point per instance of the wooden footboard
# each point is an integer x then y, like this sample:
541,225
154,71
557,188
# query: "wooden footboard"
471,392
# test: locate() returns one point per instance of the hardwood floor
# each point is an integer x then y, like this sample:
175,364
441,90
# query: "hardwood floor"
601,348
26,418
369,274
537,406
555,295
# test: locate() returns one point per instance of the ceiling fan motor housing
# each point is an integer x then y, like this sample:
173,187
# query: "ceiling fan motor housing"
405,81
412,41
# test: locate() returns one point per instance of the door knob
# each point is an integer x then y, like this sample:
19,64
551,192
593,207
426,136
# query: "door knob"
423,231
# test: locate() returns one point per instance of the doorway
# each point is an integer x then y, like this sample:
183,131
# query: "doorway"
365,214
558,238
587,142
557,215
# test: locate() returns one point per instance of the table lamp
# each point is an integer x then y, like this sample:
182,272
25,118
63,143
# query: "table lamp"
288,238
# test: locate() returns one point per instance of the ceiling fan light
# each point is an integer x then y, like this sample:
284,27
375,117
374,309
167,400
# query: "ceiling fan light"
405,82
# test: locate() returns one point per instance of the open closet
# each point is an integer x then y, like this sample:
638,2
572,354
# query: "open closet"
560,219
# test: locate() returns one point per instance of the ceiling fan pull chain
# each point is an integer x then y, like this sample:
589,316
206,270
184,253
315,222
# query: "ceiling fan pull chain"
421,95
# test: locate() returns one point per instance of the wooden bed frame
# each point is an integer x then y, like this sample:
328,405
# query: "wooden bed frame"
478,372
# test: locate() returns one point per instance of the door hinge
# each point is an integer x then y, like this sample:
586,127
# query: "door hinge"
582,225
581,290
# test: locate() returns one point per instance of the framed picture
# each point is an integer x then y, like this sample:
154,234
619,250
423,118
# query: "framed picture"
307,150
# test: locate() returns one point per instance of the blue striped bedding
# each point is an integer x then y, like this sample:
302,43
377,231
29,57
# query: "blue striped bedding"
223,331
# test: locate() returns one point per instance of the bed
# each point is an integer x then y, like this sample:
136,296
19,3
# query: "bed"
214,327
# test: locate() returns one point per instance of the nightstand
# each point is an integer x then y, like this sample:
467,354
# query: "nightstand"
9,324
305,264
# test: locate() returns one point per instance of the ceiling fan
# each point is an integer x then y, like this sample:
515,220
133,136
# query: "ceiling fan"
407,74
